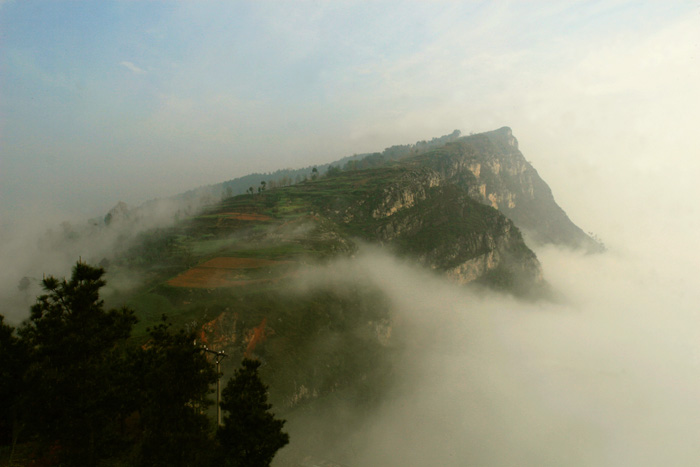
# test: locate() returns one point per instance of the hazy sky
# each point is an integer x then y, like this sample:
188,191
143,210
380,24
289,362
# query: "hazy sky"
103,101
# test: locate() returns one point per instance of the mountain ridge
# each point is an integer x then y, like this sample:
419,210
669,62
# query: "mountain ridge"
492,169
255,274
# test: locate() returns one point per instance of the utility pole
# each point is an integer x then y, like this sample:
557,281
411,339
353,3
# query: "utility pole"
218,356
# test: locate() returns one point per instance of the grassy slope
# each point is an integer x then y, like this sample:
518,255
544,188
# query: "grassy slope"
322,347
300,224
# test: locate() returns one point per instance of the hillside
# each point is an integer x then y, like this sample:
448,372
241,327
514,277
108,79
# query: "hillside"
491,168
244,272
274,273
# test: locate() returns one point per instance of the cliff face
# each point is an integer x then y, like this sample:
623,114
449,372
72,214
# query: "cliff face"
231,272
459,209
494,171
450,232
421,213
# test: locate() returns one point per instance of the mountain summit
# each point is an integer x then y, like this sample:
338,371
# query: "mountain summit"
494,171
291,271
456,205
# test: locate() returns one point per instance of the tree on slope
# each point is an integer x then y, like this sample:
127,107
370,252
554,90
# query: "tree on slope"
250,435
174,381
13,361
75,370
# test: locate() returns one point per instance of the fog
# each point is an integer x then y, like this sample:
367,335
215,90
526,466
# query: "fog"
49,243
602,96
607,374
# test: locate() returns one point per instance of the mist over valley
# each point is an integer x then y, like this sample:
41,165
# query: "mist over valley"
286,186
376,351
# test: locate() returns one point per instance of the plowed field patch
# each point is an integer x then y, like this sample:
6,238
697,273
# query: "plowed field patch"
224,262
226,272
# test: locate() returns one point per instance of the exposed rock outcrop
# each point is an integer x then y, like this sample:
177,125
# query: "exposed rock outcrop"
419,211
494,171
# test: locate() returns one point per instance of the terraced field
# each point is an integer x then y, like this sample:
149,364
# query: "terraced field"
242,216
230,272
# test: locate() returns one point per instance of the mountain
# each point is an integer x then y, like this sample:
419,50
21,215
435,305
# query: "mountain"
269,274
284,177
494,171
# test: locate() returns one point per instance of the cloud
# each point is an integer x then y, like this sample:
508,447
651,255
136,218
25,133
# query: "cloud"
606,376
132,67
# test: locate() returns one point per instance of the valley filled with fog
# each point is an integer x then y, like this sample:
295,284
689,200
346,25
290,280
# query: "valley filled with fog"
607,374
601,97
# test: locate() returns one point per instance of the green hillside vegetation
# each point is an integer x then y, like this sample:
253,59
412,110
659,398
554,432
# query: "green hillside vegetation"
307,223
77,391
286,177
237,276
231,269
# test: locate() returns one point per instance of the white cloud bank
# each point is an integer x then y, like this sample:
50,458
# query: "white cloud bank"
609,376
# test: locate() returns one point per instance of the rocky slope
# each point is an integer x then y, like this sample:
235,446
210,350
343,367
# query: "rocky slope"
233,272
494,171
423,215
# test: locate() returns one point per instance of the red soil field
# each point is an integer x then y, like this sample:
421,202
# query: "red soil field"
222,272
224,262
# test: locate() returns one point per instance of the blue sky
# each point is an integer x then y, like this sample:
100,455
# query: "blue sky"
102,101
129,100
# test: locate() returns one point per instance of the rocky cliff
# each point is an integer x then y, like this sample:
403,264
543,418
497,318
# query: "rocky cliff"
230,271
494,171
420,213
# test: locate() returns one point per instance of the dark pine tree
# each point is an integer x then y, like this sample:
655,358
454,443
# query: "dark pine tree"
72,398
250,435
13,362
174,381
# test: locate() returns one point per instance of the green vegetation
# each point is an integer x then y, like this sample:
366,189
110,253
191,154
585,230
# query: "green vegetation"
151,308
15,358
172,381
233,276
250,435
249,184
229,277
77,392
75,363
308,223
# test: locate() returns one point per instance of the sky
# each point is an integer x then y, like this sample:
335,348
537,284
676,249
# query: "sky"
102,101
131,100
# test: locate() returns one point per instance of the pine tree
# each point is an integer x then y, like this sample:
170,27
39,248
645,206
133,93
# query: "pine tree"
12,366
174,381
82,394
71,395
250,435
